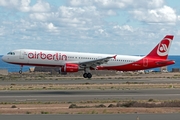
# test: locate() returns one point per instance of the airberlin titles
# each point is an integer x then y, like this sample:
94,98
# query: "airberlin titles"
45,56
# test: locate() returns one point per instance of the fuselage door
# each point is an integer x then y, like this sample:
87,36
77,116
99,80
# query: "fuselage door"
21,55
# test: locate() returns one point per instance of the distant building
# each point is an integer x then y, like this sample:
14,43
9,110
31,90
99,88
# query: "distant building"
163,69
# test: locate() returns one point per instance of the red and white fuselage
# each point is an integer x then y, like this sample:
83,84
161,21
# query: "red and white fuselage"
75,61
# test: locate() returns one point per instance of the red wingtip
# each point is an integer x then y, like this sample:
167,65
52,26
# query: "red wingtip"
114,56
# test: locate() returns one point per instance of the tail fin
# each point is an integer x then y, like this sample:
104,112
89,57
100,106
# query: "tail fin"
162,49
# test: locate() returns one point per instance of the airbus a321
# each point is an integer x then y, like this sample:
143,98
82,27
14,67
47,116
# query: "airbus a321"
76,61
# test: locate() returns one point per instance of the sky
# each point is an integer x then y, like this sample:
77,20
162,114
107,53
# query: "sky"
127,27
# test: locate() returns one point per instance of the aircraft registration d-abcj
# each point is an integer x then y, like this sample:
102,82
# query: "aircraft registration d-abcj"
76,61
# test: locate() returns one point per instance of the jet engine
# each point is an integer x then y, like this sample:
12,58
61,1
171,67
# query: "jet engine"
70,67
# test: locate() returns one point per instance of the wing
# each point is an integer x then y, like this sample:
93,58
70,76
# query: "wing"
94,63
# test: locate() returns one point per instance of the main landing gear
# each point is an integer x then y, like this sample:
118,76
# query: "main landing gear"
87,74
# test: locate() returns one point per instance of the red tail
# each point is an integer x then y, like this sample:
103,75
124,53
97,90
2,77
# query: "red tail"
162,49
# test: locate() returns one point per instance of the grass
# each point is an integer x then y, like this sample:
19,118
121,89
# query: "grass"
127,104
95,103
151,100
94,112
93,107
28,112
48,76
43,112
87,106
110,86
13,106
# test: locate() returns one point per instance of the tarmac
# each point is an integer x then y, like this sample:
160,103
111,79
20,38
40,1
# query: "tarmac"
83,95
94,117
90,81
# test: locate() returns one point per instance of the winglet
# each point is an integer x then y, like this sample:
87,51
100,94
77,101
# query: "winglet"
114,56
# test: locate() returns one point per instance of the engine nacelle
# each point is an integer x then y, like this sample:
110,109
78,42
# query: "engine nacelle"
69,67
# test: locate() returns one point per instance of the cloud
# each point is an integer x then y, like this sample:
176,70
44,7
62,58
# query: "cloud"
40,16
165,15
41,6
106,4
151,11
124,27
147,4
117,4
83,25
24,5
111,13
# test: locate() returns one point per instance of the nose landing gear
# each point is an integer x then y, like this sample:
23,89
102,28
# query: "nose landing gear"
20,71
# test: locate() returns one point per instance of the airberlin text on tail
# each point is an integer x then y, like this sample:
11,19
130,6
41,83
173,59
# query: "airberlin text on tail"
162,49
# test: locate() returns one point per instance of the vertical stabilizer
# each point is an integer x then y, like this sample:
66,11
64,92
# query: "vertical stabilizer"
162,49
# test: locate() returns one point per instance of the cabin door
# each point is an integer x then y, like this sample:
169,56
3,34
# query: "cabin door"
145,62
21,55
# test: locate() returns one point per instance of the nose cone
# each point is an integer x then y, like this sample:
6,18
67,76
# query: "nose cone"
4,58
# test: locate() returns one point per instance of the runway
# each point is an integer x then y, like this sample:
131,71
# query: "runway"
94,117
90,81
78,95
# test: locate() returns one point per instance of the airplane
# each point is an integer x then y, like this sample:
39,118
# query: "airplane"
76,61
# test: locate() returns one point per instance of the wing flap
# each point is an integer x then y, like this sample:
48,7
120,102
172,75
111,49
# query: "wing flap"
96,62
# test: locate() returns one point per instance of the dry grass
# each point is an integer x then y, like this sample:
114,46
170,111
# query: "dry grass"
64,109
47,76
88,86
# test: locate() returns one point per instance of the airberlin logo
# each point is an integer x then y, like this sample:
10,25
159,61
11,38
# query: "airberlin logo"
44,56
163,47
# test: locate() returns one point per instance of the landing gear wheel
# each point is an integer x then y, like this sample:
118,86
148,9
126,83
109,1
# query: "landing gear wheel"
20,71
85,75
89,75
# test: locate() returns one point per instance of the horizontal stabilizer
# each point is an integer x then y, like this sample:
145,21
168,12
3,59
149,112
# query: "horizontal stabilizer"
165,62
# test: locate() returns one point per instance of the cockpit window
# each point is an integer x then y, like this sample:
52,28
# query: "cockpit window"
11,53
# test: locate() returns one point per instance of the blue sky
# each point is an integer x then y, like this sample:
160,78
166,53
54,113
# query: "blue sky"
100,26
